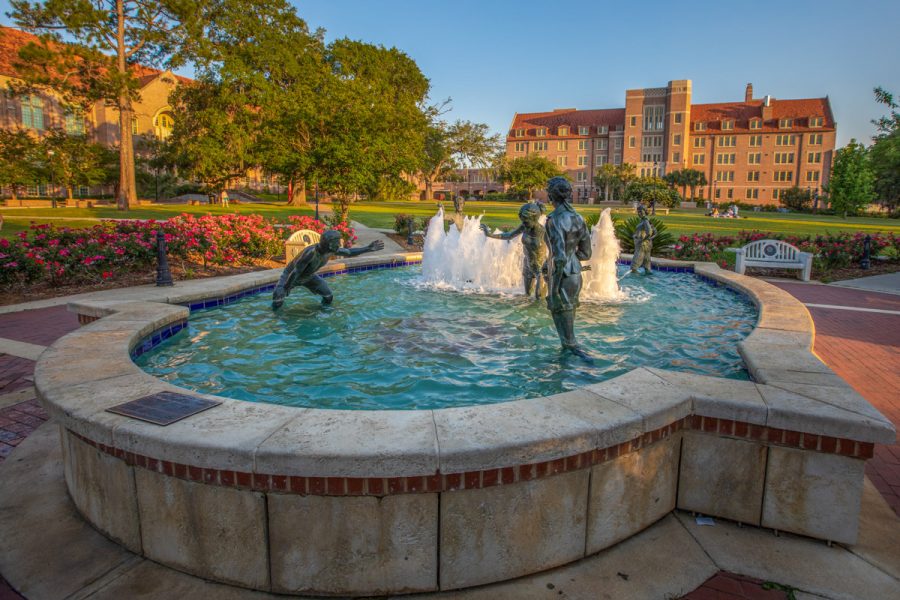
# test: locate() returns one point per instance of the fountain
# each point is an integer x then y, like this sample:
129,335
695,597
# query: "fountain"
601,284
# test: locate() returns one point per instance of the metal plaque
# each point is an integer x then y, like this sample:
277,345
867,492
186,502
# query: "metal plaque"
163,408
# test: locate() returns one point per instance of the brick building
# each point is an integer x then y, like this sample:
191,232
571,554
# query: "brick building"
468,183
750,151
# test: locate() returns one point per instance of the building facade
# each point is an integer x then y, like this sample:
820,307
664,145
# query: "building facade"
750,151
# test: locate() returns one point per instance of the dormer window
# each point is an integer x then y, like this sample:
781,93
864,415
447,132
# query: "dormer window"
755,123
541,131
816,121
563,130
700,126
582,131
727,125
785,123
603,129
520,133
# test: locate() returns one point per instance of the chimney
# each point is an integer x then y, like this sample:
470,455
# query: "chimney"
767,108
748,94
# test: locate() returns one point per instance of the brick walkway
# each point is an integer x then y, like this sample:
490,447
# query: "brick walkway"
864,349
728,586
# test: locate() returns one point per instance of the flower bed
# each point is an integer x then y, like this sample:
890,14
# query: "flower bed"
831,251
61,256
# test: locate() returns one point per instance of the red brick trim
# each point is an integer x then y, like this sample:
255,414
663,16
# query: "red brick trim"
85,319
448,482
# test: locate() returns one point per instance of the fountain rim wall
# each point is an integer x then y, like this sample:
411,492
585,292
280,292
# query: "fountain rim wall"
795,403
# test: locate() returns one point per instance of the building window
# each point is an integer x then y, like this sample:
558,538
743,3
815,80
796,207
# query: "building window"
584,144
718,193
618,144
728,125
724,175
727,141
814,157
582,130
725,159
562,145
783,176
601,159
631,142
74,121
633,121
540,146
815,139
785,140
755,124
816,121
521,146
785,123
33,112
520,133
676,157
754,158
699,142
602,144
730,193
752,175
617,159
603,129
134,126
699,126
676,139
653,117
541,131
562,161
678,118
563,130
699,159
583,161
755,140
774,194
752,194
812,176
581,176
784,158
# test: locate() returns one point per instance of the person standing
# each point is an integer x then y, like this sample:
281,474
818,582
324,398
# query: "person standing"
223,197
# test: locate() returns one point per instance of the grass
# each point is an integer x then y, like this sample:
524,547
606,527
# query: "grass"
496,214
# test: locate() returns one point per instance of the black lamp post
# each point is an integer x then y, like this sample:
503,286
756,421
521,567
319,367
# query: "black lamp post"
317,200
163,274
866,262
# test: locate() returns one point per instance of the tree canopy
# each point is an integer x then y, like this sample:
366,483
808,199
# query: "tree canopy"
852,183
526,174
884,155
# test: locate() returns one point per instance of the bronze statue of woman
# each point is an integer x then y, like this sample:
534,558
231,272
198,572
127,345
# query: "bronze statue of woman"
532,233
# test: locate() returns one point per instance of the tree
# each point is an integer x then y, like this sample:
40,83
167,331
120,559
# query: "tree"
884,155
625,174
651,190
796,198
449,146
19,164
526,174
606,178
73,160
852,183
693,179
111,38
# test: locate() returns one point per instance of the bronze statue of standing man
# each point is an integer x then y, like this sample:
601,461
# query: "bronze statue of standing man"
569,242
643,242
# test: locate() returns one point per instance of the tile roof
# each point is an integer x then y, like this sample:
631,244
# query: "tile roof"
567,116
11,40
742,112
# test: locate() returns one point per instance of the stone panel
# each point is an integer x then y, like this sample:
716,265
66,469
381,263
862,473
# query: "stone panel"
353,545
631,493
102,487
214,532
722,477
813,494
507,531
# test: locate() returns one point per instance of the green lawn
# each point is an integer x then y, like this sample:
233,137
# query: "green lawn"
381,214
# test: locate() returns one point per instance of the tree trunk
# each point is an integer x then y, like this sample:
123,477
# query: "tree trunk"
69,194
344,203
298,192
429,189
606,192
127,187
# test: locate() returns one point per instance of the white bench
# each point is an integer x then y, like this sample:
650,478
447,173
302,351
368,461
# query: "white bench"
298,241
775,254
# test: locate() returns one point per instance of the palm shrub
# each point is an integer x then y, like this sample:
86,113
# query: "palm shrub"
625,233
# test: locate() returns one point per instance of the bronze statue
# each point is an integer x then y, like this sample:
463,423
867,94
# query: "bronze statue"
302,270
643,242
532,233
569,243
459,205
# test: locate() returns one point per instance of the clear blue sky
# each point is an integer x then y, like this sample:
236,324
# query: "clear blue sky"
494,58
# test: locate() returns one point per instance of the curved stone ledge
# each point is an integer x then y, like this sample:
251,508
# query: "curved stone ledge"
555,474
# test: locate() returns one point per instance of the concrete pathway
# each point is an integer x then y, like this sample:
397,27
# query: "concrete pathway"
889,283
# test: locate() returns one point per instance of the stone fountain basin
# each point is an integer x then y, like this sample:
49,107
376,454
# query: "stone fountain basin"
311,501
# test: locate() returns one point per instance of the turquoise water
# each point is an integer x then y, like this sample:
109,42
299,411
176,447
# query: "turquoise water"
387,342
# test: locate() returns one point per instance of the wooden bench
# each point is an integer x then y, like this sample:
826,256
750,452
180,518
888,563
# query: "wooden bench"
659,209
774,254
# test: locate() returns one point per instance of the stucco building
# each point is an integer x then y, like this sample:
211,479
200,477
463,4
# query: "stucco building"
750,150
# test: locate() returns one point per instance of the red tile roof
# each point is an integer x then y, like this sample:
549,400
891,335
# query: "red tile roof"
11,40
742,112
567,116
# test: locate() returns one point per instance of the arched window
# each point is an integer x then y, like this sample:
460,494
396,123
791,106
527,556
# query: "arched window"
163,124
33,112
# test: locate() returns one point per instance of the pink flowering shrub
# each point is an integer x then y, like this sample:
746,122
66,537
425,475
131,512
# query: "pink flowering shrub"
830,250
59,255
